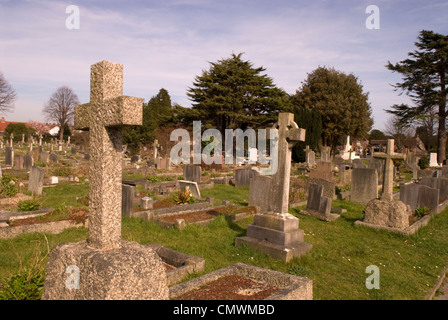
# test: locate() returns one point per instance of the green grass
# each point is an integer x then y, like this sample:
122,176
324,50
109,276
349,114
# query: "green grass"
409,265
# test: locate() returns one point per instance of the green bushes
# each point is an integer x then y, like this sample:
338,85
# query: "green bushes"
8,186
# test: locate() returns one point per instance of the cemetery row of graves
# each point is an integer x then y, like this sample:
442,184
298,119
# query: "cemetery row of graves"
77,224
329,199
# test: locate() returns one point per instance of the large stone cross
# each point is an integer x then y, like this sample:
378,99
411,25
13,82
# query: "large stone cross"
388,180
105,115
288,134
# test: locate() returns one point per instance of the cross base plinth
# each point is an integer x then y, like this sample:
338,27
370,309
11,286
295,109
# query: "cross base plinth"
277,235
131,272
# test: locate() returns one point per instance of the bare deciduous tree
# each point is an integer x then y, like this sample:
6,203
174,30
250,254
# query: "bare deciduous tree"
60,108
7,95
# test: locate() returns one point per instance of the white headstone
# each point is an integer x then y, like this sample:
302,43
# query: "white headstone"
433,160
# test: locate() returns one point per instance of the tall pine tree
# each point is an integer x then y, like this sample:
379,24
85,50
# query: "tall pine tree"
425,80
233,94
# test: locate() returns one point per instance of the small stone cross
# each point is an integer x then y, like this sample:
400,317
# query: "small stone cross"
105,115
288,134
388,181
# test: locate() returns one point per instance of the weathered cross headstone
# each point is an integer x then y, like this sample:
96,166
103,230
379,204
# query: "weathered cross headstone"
388,181
277,232
310,158
107,266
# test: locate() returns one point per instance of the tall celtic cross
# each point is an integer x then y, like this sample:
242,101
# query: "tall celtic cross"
104,116
388,180
288,134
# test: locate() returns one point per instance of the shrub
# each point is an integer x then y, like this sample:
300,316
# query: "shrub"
28,205
26,284
8,189
421,211
423,163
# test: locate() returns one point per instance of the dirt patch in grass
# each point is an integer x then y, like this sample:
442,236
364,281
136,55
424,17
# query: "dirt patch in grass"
231,287
77,215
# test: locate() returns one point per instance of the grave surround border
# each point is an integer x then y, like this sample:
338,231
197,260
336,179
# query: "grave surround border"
291,287
412,228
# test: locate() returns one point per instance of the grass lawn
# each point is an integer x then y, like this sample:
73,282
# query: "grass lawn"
409,265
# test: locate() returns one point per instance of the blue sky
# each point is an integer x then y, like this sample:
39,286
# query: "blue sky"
165,44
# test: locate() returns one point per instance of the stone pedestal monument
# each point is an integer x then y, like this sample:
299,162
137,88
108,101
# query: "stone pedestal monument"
105,266
276,232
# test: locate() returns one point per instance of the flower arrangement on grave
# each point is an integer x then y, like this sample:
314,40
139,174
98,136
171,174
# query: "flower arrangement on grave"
183,197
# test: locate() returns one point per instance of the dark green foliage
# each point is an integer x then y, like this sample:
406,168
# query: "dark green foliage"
233,94
26,284
377,135
158,112
17,129
7,189
311,121
341,102
425,81
28,205
423,163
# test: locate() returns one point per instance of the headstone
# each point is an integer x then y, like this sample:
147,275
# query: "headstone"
325,154
36,155
53,180
329,187
146,203
193,186
127,200
28,162
242,176
277,232
163,163
18,162
419,195
433,160
36,180
73,150
135,158
318,205
364,185
357,163
9,156
54,158
259,192
388,181
324,170
44,157
253,155
192,172
109,268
